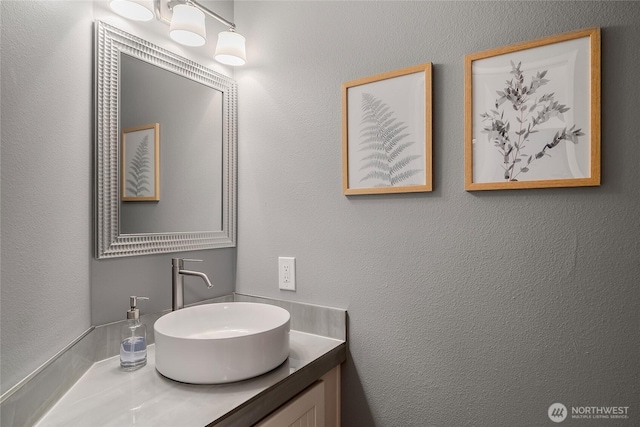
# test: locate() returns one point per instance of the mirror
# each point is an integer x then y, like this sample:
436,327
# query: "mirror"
189,118
165,155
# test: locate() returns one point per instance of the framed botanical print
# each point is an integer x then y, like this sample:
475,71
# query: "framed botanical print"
532,114
140,166
386,132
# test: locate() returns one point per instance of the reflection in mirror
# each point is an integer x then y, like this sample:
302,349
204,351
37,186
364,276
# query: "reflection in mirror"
138,85
190,118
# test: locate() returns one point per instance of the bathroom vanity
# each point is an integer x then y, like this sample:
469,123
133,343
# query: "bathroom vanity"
306,386
108,396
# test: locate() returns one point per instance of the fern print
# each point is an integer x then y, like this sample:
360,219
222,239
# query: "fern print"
383,142
138,179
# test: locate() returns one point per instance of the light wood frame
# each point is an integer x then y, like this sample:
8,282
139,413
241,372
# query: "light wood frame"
381,84
548,46
134,134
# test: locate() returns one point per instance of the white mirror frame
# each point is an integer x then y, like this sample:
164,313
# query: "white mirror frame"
111,42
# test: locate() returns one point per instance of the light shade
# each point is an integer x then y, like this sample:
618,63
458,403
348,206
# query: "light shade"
139,10
187,26
230,49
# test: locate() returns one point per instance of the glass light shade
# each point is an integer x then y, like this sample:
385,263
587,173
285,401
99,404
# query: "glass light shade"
187,26
230,49
139,10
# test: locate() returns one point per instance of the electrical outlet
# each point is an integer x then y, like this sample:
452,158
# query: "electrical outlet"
287,273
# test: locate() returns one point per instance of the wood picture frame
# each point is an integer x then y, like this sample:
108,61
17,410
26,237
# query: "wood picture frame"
387,132
532,114
140,163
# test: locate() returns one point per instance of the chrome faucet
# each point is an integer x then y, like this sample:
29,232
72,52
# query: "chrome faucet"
177,281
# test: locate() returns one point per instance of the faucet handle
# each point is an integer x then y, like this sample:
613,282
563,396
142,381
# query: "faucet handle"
179,262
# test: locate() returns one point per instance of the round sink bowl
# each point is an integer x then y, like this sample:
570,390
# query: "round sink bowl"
221,343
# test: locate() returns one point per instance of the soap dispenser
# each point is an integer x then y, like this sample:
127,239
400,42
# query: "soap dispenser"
133,340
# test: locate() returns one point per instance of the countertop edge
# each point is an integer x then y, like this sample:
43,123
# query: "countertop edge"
270,399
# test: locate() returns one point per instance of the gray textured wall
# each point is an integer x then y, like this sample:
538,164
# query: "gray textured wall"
465,308
46,181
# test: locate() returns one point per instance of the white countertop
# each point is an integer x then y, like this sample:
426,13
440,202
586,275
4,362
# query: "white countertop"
108,396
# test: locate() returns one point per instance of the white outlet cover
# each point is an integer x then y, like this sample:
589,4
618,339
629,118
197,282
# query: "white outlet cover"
287,273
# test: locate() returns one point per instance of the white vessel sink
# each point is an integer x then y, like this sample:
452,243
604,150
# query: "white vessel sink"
221,343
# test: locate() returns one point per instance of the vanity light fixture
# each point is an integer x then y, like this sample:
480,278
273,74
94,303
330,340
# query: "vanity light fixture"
189,19
136,10
187,25
230,49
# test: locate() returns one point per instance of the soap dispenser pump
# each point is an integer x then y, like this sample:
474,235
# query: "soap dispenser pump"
133,343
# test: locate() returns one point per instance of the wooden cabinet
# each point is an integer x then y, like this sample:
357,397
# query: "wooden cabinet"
317,406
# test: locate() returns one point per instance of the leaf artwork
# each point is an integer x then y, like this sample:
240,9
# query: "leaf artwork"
528,112
383,143
138,181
